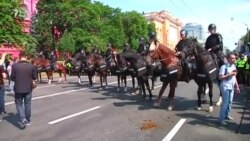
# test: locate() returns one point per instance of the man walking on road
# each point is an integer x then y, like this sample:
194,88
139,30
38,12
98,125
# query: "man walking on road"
23,74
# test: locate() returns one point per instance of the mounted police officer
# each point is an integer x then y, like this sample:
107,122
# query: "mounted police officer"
108,51
53,59
108,56
214,44
179,47
127,47
142,49
94,50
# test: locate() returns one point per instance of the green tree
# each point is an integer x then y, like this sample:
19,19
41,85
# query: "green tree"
12,14
84,23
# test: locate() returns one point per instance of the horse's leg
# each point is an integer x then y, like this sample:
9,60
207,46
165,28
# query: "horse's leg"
153,83
149,91
90,79
220,99
40,76
210,86
133,83
93,77
49,77
171,95
163,87
79,77
199,93
101,79
125,82
118,80
142,87
60,76
64,73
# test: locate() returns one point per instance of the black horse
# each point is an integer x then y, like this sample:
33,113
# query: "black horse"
205,72
118,67
77,65
138,63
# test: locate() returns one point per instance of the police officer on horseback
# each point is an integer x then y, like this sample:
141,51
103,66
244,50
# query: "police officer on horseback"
127,47
53,59
214,44
142,49
94,50
108,51
179,47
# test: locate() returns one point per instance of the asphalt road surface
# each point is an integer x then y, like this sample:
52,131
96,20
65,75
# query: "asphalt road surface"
72,112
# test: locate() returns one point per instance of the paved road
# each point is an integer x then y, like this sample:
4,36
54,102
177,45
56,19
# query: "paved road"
69,111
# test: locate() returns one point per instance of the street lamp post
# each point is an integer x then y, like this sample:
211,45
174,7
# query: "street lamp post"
247,38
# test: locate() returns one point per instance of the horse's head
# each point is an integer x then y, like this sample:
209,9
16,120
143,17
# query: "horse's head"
158,51
192,47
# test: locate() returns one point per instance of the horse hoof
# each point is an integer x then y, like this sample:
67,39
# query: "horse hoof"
210,109
125,89
156,104
170,108
198,108
118,89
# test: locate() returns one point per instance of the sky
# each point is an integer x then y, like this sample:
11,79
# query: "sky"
232,17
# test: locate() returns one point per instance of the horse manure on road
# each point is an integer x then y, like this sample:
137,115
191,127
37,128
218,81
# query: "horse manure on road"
148,124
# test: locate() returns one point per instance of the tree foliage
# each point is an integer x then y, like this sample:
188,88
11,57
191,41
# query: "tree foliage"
84,23
12,14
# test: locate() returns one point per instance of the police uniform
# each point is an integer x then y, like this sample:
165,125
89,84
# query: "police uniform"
247,71
214,42
240,65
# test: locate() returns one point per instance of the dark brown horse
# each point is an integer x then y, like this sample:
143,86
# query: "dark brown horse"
118,67
77,65
44,65
138,63
172,70
206,70
95,63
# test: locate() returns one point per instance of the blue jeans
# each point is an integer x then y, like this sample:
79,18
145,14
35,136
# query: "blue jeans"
2,101
23,105
227,100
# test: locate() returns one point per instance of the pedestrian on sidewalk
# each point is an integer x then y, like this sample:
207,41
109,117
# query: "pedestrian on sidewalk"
3,75
23,73
11,83
228,85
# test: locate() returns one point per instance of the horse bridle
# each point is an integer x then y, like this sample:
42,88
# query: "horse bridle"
160,55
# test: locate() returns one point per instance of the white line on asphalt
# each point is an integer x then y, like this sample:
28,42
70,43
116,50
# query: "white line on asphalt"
73,115
56,94
50,85
171,134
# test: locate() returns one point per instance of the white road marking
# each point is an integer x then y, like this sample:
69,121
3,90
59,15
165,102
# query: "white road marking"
171,134
56,94
73,115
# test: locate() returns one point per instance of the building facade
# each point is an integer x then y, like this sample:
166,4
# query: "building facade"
195,30
167,27
30,6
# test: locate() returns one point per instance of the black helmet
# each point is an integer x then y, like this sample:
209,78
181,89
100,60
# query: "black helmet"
141,39
152,35
109,45
126,44
212,27
184,32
